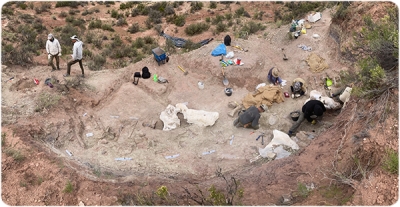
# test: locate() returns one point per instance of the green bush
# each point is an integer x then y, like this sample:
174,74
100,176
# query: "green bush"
68,187
97,63
213,5
218,19
195,6
391,161
107,27
122,22
134,28
95,24
196,28
252,27
221,27
63,14
72,4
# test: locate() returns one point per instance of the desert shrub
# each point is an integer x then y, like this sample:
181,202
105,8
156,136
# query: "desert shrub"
97,63
46,100
221,27
69,188
15,154
138,43
155,16
213,5
258,15
72,4
195,6
239,12
148,23
381,39
302,190
63,14
218,19
107,27
190,45
27,18
122,22
7,11
95,24
391,161
252,27
197,28
134,28
228,16
22,5
87,53
169,10
178,20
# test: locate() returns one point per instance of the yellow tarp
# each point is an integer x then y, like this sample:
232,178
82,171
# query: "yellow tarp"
316,63
263,95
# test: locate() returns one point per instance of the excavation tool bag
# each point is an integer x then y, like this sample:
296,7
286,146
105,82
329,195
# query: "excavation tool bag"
145,73
227,40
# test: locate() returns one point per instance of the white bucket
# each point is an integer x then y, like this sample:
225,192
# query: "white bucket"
201,85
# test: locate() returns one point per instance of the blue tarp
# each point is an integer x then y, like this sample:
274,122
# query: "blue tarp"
219,50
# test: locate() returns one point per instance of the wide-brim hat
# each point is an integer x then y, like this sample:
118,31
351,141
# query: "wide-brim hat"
275,72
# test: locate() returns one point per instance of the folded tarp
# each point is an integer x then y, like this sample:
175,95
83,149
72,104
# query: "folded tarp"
180,42
219,50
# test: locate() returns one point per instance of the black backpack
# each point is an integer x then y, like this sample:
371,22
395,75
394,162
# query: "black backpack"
227,40
145,73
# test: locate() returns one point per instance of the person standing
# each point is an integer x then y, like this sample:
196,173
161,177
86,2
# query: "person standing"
273,76
53,49
310,111
76,56
249,119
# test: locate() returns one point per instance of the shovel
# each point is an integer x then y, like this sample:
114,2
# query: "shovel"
224,81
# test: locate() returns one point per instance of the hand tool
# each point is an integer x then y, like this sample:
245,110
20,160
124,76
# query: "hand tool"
184,72
225,80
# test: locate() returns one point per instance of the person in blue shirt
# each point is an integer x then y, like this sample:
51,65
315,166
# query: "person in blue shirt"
273,76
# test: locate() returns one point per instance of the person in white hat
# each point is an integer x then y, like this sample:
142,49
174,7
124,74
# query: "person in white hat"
76,56
53,50
273,76
249,118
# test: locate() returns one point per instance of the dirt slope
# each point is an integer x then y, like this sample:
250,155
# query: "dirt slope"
107,104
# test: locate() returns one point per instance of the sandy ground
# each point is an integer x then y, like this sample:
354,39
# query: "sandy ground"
107,104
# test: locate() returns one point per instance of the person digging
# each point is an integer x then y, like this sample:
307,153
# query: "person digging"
310,111
249,118
298,87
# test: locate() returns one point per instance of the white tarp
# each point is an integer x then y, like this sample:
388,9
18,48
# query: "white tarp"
198,117
280,138
314,17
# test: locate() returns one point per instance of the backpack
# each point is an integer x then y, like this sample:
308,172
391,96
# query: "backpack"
227,40
145,73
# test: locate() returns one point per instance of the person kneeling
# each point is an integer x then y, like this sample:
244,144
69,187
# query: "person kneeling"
249,118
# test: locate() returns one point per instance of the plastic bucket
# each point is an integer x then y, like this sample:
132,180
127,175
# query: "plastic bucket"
295,115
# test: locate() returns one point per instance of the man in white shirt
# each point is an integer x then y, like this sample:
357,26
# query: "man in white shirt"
53,49
76,56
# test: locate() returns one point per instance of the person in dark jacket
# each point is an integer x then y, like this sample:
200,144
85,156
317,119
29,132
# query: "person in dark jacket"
310,111
249,118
